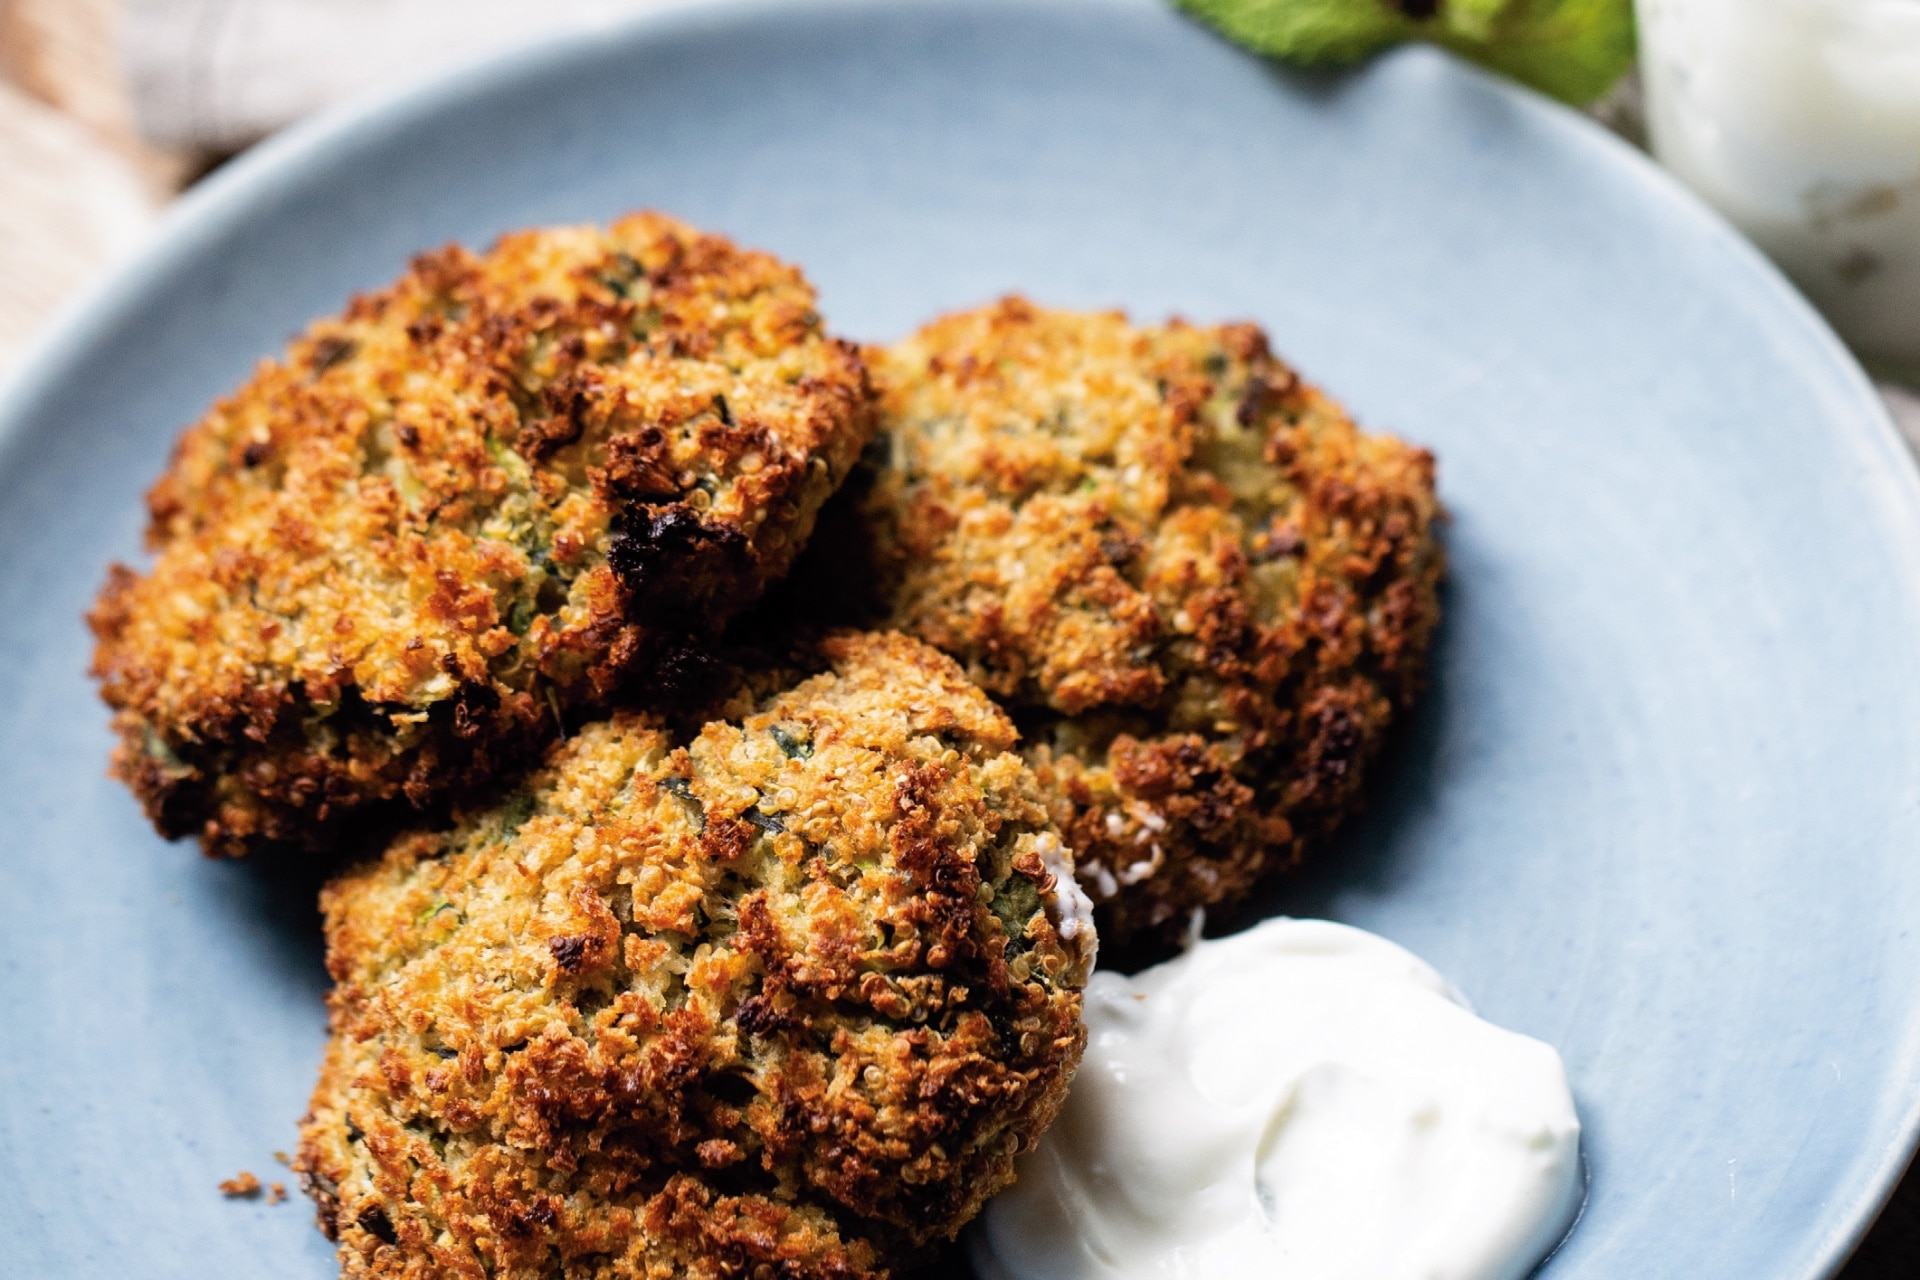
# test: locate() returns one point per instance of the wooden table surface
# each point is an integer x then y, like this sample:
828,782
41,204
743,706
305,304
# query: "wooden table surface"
78,186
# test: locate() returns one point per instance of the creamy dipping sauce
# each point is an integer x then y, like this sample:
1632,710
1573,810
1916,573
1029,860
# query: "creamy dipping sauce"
1302,1101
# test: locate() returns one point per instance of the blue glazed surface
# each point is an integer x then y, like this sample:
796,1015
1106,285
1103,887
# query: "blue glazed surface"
1660,809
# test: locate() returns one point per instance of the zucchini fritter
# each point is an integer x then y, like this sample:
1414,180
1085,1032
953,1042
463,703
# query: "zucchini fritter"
1201,591
390,564
783,1002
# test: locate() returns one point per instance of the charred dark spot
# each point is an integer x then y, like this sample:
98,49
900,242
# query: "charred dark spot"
531,1219
407,434
1278,541
256,452
567,403
1253,402
757,1016
671,557
721,407
325,1194
569,951
1119,547
658,534
328,352
640,468
726,839
374,1221
1339,739
1281,448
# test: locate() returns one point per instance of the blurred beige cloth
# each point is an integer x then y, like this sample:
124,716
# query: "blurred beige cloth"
68,205
77,188
218,74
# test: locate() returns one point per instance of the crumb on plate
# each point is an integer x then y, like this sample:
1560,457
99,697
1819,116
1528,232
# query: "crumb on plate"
241,1186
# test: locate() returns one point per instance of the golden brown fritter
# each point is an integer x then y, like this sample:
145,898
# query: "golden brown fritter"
1202,592
390,564
783,1002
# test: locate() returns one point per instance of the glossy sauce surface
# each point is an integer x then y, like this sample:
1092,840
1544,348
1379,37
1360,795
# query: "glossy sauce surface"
1302,1100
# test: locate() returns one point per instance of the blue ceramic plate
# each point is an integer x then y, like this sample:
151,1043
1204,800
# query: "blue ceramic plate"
1659,810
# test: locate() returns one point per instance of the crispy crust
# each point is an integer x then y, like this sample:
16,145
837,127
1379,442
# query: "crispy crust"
784,1002
1200,589
480,499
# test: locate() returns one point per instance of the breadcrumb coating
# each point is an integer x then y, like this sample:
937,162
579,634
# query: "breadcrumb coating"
1200,589
784,1001
389,566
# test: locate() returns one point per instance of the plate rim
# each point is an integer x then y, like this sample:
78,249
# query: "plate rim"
243,185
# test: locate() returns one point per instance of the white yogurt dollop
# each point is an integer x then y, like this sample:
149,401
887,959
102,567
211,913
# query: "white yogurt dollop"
1302,1101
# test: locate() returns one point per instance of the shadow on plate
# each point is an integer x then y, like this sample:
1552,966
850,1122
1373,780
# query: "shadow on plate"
278,893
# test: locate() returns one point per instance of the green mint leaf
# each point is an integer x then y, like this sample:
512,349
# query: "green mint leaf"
1472,19
1572,49
1312,33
